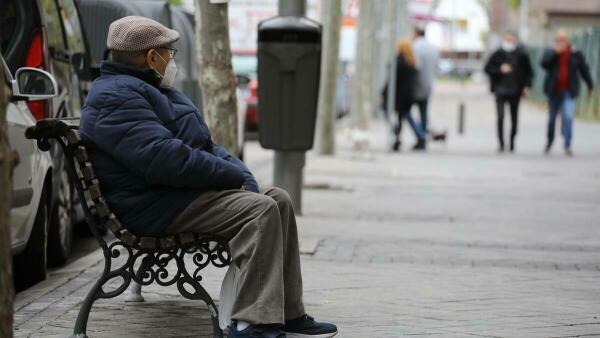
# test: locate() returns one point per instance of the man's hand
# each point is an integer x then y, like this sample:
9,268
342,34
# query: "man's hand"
525,92
590,91
505,68
243,188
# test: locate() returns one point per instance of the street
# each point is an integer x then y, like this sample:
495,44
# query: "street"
459,241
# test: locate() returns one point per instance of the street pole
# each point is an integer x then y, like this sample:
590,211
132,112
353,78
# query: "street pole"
292,7
523,22
332,15
363,79
461,100
393,32
288,171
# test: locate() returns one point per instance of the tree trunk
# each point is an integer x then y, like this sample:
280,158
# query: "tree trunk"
8,159
332,16
216,78
362,103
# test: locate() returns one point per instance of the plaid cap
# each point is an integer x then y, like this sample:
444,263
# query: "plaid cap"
138,33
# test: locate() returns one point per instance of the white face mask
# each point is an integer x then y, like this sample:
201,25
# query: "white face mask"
508,46
168,77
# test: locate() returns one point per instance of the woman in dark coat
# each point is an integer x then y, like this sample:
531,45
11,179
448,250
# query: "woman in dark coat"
406,77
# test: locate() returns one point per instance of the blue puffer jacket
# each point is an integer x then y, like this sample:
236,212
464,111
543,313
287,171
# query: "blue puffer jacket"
151,149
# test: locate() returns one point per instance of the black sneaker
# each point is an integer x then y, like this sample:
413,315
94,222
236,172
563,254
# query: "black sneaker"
256,331
420,145
307,327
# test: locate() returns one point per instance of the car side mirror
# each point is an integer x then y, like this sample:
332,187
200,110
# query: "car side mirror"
34,84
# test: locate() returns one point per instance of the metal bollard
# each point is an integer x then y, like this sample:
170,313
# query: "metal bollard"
461,118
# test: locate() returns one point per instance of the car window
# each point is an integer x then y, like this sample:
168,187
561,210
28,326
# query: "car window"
244,64
53,27
8,22
70,18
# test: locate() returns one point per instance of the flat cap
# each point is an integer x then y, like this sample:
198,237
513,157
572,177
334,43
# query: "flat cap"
137,34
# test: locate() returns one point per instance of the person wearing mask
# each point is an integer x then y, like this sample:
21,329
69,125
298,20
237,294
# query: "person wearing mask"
162,174
511,74
563,66
406,79
426,57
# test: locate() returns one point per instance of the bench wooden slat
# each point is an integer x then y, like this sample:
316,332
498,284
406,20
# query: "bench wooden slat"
187,238
88,173
148,243
94,190
102,209
73,137
81,155
168,242
114,225
129,238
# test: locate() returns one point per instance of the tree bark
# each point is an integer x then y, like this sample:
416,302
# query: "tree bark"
216,78
332,16
362,102
8,159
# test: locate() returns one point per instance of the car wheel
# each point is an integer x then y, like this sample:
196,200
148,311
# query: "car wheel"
30,265
60,232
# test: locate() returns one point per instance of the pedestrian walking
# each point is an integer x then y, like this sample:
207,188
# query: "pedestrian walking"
563,66
406,79
162,174
426,58
511,74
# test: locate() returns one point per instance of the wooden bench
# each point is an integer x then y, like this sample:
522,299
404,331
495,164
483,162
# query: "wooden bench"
147,257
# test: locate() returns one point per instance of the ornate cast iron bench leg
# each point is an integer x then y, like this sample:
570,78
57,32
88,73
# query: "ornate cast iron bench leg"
97,291
199,293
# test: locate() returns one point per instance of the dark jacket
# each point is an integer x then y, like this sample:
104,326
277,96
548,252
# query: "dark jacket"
406,82
151,149
512,83
577,66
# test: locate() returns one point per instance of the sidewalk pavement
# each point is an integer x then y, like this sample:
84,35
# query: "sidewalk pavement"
456,242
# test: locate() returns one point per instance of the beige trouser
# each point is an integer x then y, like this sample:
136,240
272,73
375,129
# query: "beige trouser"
264,246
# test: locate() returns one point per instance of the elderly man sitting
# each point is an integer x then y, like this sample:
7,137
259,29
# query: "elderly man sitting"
161,174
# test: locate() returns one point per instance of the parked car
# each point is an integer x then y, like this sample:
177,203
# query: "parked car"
244,66
32,178
47,34
97,15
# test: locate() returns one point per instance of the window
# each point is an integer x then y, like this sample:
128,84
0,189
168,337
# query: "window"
8,23
51,19
70,19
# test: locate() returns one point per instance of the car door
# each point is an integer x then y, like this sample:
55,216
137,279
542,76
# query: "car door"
22,208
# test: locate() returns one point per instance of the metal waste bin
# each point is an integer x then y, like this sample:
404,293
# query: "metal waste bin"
289,62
